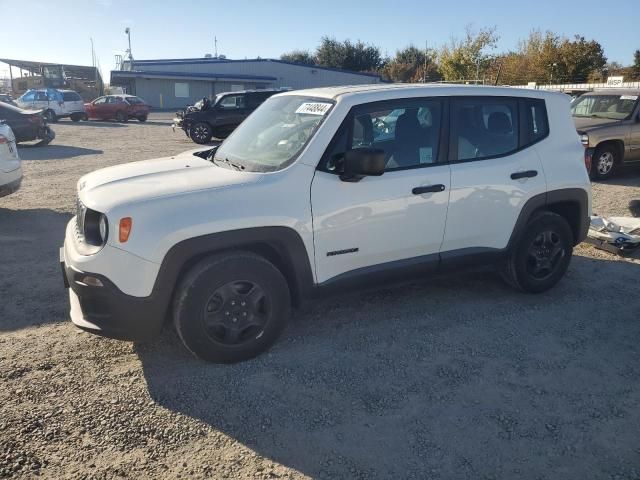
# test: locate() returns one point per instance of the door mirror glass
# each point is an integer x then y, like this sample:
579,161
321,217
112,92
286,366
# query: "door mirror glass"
362,162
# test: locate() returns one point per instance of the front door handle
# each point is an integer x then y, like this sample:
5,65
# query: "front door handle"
428,189
525,174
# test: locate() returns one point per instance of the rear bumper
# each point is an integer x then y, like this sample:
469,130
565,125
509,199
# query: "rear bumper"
11,186
105,310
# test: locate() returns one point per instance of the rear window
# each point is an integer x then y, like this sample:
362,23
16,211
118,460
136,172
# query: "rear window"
71,97
134,100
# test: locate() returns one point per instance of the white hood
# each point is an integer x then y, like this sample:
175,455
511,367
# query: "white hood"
140,181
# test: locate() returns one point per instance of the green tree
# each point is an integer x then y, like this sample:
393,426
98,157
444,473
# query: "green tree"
579,58
412,64
299,56
463,59
357,56
635,69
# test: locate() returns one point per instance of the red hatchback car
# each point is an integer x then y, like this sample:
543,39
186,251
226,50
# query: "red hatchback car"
121,107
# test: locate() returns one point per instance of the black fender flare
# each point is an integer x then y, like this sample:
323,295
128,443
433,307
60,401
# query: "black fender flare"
283,246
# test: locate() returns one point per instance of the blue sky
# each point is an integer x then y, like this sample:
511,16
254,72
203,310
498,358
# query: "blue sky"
246,29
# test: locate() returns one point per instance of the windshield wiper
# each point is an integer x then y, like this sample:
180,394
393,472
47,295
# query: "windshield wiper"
236,166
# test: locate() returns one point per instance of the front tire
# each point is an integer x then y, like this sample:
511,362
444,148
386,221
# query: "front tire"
76,117
201,133
142,118
541,255
605,162
231,307
122,117
50,116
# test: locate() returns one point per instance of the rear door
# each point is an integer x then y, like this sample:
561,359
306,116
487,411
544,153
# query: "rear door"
493,171
634,134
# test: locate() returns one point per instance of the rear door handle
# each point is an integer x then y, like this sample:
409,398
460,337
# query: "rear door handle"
428,189
525,174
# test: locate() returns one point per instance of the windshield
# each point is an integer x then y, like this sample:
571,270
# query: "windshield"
614,107
274,134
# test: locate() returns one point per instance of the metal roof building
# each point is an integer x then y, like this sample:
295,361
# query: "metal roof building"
174,83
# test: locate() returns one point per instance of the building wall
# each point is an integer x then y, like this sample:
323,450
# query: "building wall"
287,75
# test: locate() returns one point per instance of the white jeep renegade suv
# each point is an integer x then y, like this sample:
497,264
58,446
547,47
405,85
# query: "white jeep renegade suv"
322,188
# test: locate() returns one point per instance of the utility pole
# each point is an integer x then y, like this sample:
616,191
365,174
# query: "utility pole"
93,54
477,70
215,47
426,49
127,31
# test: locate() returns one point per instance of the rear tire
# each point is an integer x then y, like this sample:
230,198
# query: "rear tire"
76,117
142,118
201,133
605,162
122,117
231,307
541,255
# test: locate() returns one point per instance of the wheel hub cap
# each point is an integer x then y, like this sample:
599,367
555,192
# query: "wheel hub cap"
236,312
544,255
605,163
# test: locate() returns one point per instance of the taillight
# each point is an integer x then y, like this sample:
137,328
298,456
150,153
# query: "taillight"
588,157
3,140
125,229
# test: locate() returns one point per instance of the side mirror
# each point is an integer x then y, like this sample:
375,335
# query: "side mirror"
362,162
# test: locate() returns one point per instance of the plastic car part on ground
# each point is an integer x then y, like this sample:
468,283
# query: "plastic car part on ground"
619,235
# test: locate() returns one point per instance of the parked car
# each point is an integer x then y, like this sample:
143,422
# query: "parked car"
119,107
10,168
608,122
204,121
6,98
55,104
304,197
27,125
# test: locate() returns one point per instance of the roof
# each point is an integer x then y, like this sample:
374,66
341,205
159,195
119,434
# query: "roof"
115,74
418,89
72,71
199,61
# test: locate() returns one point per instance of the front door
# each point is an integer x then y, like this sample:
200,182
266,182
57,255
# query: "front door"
231,111
380,222
634,134
493,171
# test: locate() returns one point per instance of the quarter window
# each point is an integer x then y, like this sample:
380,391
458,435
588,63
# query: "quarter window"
483,127
232,102
537,126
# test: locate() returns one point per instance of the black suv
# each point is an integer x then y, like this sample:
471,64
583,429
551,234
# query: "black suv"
219,118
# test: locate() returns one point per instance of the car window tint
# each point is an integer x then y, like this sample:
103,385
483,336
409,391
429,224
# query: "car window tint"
42,97
71,97
483,127
28,97
100,101
407,130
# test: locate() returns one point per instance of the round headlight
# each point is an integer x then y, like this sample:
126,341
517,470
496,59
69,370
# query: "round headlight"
103,227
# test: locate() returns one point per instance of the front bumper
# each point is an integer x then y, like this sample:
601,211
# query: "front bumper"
106,310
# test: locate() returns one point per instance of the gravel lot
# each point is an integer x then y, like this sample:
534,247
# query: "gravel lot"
458,377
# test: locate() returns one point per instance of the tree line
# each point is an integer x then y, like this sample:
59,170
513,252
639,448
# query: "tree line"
542,57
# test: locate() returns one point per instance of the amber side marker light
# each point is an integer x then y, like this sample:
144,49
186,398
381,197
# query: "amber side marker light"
125,228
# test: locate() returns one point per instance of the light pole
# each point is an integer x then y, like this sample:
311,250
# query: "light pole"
553,66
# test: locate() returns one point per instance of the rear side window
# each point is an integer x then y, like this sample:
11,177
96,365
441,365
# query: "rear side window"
536,121
71,97
482,128
254,100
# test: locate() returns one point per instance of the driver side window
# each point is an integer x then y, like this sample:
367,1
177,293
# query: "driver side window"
407,130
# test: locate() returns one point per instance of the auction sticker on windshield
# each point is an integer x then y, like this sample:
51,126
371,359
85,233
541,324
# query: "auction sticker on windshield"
628,97
314,108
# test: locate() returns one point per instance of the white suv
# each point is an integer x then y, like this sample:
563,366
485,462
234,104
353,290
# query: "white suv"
10,166
323,188
54,104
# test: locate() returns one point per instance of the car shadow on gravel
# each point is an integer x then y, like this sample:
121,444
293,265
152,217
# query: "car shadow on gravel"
31,288
459,377
54,152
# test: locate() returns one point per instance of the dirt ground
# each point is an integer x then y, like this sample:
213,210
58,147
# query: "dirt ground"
455,377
